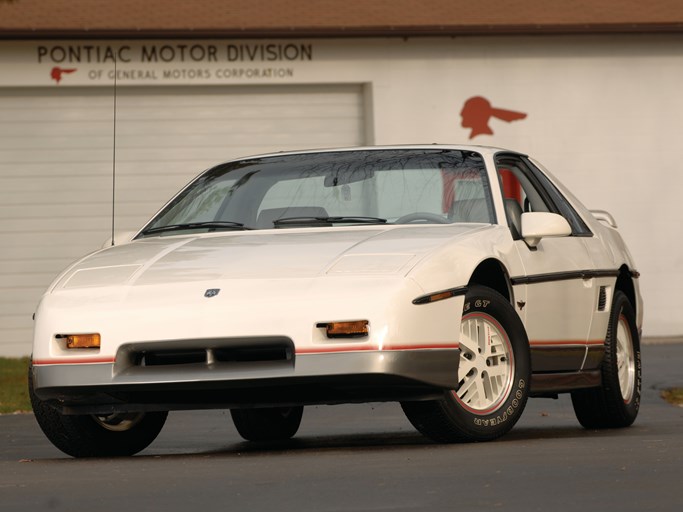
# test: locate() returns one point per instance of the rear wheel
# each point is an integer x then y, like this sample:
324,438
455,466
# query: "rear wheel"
113,435
268,424
616,402
494,375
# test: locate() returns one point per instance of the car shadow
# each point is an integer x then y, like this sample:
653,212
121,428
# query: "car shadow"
367,442
386,441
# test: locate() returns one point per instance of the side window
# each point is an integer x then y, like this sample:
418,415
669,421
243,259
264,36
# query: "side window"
579,227
520,193
525,189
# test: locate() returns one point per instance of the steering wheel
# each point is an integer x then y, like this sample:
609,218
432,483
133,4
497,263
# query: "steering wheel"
421,217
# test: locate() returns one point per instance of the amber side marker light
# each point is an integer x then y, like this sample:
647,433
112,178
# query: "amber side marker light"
354,329
82,340
442,295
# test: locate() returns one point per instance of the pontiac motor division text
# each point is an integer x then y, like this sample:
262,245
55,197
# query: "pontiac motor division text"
270,52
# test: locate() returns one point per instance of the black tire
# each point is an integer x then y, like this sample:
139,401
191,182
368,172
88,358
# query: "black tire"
483,407
115,435
616,402
268,424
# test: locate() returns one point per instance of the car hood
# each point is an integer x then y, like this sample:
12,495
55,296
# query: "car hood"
295,253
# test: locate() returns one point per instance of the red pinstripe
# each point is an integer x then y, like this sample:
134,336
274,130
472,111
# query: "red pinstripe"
558,343
74,360
398,348
321,350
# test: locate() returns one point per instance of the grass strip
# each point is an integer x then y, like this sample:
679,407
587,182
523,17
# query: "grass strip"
673,396
13,385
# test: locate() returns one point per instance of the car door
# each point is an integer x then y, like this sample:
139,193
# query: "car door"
555,295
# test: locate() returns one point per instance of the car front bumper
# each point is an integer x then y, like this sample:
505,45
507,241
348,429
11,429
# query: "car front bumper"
127,384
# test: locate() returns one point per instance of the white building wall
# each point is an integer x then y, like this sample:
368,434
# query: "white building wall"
603,113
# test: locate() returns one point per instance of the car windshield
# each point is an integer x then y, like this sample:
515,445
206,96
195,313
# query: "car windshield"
341,188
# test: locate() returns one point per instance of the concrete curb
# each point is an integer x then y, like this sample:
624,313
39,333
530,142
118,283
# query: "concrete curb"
661,340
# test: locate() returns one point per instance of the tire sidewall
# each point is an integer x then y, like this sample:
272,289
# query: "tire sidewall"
267,424
622,310
501,418
83,436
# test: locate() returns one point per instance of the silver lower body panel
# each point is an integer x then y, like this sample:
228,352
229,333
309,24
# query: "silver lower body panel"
327,378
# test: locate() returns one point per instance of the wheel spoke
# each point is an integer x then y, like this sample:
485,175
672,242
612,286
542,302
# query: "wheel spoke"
625,360
466,366
485,369
468,388
468,340
499,371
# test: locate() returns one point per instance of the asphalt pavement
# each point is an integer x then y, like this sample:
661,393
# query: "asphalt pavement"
369,458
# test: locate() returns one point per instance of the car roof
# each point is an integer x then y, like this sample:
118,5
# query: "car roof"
489,150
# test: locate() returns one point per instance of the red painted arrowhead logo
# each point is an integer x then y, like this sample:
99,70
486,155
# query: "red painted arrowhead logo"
57,72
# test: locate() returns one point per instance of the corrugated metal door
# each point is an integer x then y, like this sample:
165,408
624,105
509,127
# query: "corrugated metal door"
56,152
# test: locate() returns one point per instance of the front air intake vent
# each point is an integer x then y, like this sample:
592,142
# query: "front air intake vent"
253,354
217,352
172,357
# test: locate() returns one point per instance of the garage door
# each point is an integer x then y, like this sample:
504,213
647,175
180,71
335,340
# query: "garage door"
56,153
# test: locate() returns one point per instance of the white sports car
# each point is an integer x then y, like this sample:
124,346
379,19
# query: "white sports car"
457,280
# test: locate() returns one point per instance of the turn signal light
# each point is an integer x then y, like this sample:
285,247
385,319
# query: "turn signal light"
442,295
354,329
82,340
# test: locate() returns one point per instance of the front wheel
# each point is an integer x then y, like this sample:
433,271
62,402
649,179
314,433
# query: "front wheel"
113,435
268,424
493,375
616,402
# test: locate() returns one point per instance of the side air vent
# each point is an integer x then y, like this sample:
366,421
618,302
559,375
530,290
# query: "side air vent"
602,298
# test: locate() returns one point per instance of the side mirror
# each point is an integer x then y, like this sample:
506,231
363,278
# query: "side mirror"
537,225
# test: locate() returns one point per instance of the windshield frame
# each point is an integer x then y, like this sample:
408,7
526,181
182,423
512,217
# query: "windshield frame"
335,168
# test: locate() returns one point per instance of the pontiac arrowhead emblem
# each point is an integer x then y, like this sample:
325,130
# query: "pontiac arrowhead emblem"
57,72
211,292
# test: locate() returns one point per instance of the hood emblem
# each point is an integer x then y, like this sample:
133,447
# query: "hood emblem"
211,292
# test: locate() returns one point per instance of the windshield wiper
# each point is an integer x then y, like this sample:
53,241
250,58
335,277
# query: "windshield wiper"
328,220
195,225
